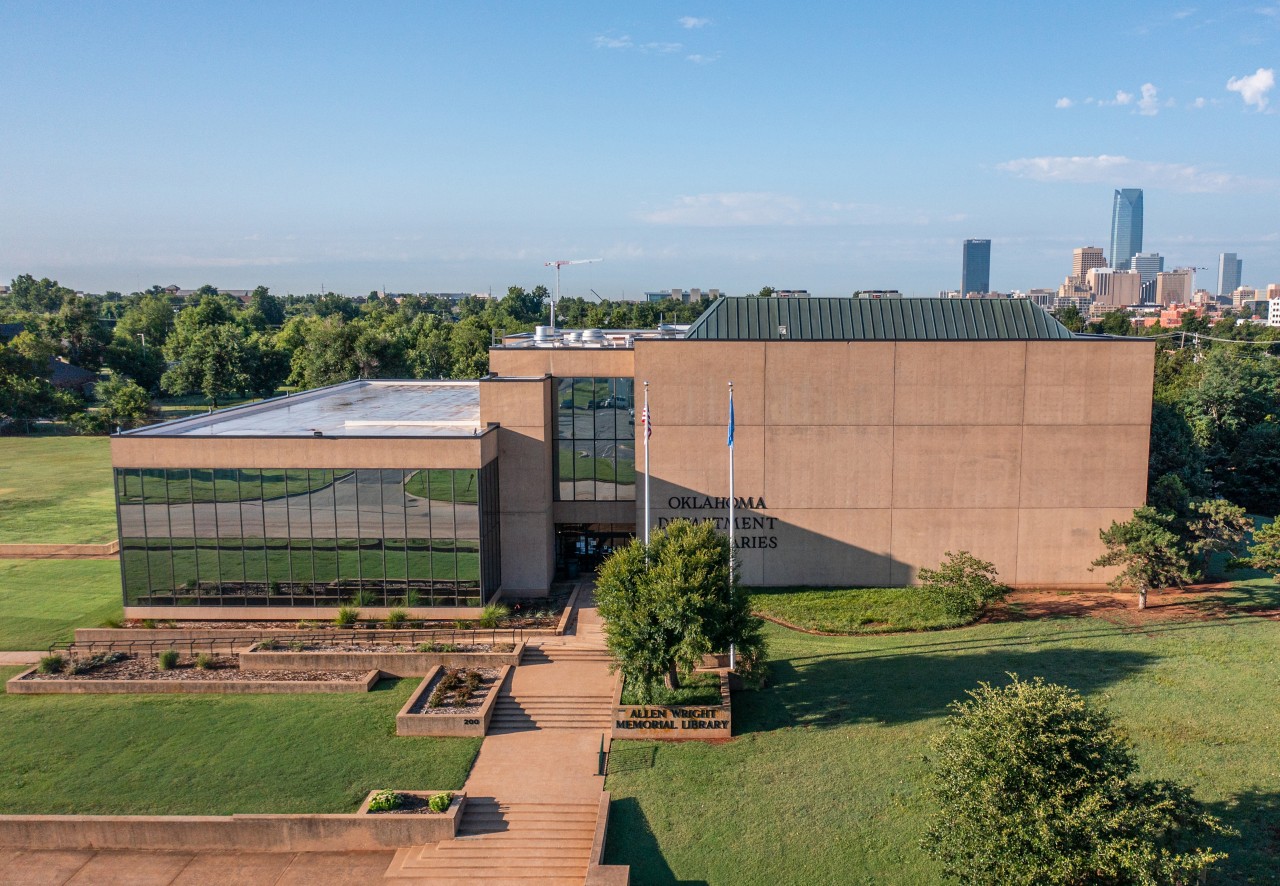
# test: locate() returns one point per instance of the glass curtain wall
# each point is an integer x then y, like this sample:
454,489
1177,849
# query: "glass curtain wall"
595,439
307,537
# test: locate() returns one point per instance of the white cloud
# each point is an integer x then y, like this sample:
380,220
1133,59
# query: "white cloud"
1199,103
1122,98
1063,102
1109,169
662,47
1184,13
732,209
690,22
606,42
699,59
1253,88
1149,104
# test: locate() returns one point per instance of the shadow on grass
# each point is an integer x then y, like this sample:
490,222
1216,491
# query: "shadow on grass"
1254,856
631,841
843,690
386,684
632,759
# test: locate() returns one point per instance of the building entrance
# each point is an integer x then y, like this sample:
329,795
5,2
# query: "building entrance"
582,547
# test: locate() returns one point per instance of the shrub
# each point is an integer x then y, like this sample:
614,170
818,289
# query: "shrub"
1036,786
149,624
440,802
963,586
306,625
447,647
1264,554
114,622
83,665
51,664
190,584
167,660
396,618
385,801
428,647
347,617
273,588
411,599
205,661
362,597
492,614
268,645
296,646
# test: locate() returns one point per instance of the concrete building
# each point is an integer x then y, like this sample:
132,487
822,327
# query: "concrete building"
1126,227
1148,264
1230,269
686,296
1273,309
1084,259
975,267
871,437
1115,288
1174,287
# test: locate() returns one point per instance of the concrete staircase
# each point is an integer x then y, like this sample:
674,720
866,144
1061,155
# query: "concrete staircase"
507,844
571,709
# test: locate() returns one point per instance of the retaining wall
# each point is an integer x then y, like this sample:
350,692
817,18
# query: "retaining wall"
18,686
104,551
472,725
250,833
394,664
677,722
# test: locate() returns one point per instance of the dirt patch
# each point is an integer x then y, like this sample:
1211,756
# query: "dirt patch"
1193,603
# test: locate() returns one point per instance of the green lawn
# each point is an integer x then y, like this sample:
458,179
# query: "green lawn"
439,485
215,754
56,489
851,610
43,601
824,782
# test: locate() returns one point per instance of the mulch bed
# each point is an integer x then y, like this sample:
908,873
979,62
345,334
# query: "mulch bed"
488,683
384,647
224,668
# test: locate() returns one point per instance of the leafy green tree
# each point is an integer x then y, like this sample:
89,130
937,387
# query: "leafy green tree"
963,585
1253,470
1071,318
469,348
268,306
266,366
1149,552
1114,323
77,325
25,395
1036,786
1170,495
429,353
208,359
766,292
667,604
1174,451
323,350
1264,553
1236,390
1217,526
142,363
147,321
124,403
43,296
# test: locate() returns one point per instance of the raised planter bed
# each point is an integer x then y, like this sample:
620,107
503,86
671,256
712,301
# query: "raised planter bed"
416,718
676,722
417,805
409,663
256,833
140,674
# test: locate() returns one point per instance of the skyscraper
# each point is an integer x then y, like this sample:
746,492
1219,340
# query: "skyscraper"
1126,227
1149,264
975,268
1083,259
1229,268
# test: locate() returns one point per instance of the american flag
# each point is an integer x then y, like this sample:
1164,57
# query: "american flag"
647,421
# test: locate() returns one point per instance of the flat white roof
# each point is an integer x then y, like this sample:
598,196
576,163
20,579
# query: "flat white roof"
363,408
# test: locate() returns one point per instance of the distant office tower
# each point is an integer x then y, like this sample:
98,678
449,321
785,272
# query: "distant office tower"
1174,287
1114,288
1148,264
1126,227
1229,268
975,270
1085,258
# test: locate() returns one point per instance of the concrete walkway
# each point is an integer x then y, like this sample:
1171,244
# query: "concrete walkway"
21,658
20,867
533,797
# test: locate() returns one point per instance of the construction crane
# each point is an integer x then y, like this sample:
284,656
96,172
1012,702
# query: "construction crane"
558,265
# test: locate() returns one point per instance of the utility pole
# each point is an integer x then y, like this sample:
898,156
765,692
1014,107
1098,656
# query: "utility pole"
558,265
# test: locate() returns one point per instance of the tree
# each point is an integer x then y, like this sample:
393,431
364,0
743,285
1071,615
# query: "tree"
149,319
1071,318
1149,550
1236,390
25,395
1217,526
668,603
42,296
1264,553
1253,470
963,585
142,363
1036,786
124,403
270,307
208,359
1174,450
766,292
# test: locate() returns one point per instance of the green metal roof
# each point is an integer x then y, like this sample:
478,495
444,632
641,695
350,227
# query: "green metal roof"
887,319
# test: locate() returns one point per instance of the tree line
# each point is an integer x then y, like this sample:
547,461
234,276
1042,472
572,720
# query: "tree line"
221,348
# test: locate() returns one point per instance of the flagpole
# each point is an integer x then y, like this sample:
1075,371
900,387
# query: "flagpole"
647,427
732,651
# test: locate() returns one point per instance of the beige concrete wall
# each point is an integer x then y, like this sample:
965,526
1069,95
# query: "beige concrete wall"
875,458
526,448
301,452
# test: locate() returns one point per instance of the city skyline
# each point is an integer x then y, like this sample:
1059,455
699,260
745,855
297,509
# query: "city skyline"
458,149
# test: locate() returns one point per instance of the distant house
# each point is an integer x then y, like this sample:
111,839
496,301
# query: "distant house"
70,378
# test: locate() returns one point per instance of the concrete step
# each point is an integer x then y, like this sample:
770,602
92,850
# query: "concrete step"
518,818
527,850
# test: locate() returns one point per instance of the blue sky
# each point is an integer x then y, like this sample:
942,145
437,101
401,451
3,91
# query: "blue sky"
448,147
